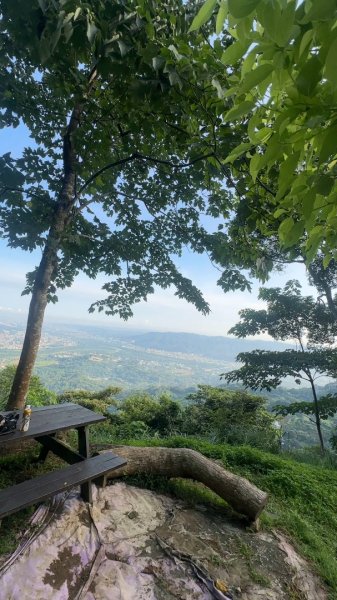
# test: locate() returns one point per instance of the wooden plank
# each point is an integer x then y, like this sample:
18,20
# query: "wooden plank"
84,450
60,449
50,419
42,487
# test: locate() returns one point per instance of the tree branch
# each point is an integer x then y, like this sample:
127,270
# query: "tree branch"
22,191
138,156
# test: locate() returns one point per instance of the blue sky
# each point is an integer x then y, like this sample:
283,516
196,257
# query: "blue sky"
163,311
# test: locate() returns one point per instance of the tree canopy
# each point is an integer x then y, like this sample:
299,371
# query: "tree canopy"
297,319
38,394
235,417
282,86
124,155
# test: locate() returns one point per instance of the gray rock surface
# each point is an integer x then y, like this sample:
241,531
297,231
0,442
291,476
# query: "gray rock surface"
136,544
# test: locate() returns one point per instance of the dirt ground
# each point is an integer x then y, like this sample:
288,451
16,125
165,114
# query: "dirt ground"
136,544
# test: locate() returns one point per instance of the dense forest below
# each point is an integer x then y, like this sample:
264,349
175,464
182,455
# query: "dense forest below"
90,357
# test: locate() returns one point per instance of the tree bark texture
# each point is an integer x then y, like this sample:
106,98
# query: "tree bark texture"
46,269
317,416
243,496
330,301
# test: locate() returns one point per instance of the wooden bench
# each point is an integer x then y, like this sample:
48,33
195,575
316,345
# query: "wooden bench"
46,423
42,487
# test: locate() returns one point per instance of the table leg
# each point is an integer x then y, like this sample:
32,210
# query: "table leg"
83,449
43,452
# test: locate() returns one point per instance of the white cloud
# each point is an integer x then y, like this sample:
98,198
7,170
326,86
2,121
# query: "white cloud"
163,311
9,309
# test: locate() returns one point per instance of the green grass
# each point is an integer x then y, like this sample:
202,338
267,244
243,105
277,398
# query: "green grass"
15,469
255,575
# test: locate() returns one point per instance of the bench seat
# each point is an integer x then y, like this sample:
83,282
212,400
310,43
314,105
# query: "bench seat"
42,487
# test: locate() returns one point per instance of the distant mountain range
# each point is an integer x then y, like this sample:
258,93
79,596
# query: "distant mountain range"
216,347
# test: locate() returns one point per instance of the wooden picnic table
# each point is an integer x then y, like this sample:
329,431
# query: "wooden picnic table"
45,423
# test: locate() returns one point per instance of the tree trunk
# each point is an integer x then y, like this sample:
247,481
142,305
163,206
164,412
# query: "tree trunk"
330,301
321,283
317,415
242,495
46,269
37,308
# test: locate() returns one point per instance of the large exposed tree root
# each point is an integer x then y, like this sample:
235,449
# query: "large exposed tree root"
243,496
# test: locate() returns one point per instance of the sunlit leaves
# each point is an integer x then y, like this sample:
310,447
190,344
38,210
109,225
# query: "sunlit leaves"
240,109
221,16
234,52
203,15
140,82
242,8
283,84
330,64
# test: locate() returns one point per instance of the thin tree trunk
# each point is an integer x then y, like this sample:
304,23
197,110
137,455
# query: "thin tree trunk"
46,270
317,415
243,496
331,304
321,284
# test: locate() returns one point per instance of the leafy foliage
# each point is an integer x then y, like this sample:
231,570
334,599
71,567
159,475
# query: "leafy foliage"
264,369
233,417
216,414
281,69
99,401
289,316
37,395
327,406
140,415
144,144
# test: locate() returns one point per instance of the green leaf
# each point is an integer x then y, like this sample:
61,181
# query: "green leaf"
240,109
309,76
158,62
234,52
326,261
42,5
221,16
77,12
286,24
248,63
174,78
277,23
329,144
217,85
203,15
123,48
324,184
308,203
255,165
91,31
242,8
330,64
279,212
285,227
305,41
287,174
175,52
238,151
320,11
290,232
68,31
255,77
